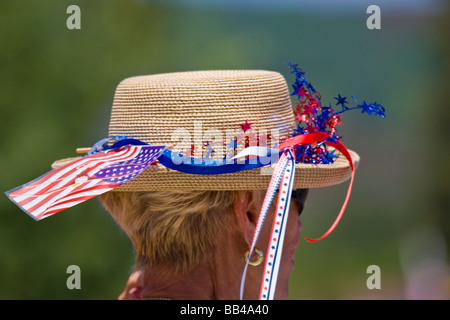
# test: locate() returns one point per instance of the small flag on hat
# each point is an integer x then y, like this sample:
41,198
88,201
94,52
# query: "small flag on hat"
83,179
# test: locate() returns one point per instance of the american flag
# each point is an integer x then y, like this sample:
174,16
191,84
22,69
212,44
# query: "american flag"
82,179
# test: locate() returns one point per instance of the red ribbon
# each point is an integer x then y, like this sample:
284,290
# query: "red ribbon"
318,137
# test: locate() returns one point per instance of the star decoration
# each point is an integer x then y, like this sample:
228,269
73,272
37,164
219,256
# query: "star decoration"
312,117
379,110
341,101
366,108
246,126
303,92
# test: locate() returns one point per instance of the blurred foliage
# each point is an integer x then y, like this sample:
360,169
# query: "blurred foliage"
57,86
439,128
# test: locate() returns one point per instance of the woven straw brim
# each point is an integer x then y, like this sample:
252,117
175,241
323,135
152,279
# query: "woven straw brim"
307,176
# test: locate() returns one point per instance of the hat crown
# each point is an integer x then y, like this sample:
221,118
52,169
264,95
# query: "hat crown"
159,109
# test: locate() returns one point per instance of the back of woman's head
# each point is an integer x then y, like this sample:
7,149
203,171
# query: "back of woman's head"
172,229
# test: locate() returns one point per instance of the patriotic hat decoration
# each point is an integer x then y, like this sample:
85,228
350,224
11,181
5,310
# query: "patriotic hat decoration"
151,112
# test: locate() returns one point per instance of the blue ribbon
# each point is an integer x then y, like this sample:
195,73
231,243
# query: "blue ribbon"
176,161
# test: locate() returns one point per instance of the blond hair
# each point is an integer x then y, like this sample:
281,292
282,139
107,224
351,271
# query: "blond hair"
173,229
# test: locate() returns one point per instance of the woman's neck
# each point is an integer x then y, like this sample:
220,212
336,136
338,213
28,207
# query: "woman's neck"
218,278
158,283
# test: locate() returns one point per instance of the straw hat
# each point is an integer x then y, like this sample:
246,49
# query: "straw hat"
187,111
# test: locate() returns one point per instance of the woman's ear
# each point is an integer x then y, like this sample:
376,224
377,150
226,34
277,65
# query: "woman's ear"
133,287
246,209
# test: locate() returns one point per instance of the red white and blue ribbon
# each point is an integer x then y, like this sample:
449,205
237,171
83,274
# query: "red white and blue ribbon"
275,246
281,181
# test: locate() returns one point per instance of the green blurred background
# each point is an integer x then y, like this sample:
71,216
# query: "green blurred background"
57,87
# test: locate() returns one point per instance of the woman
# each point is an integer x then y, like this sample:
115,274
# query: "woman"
200,160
